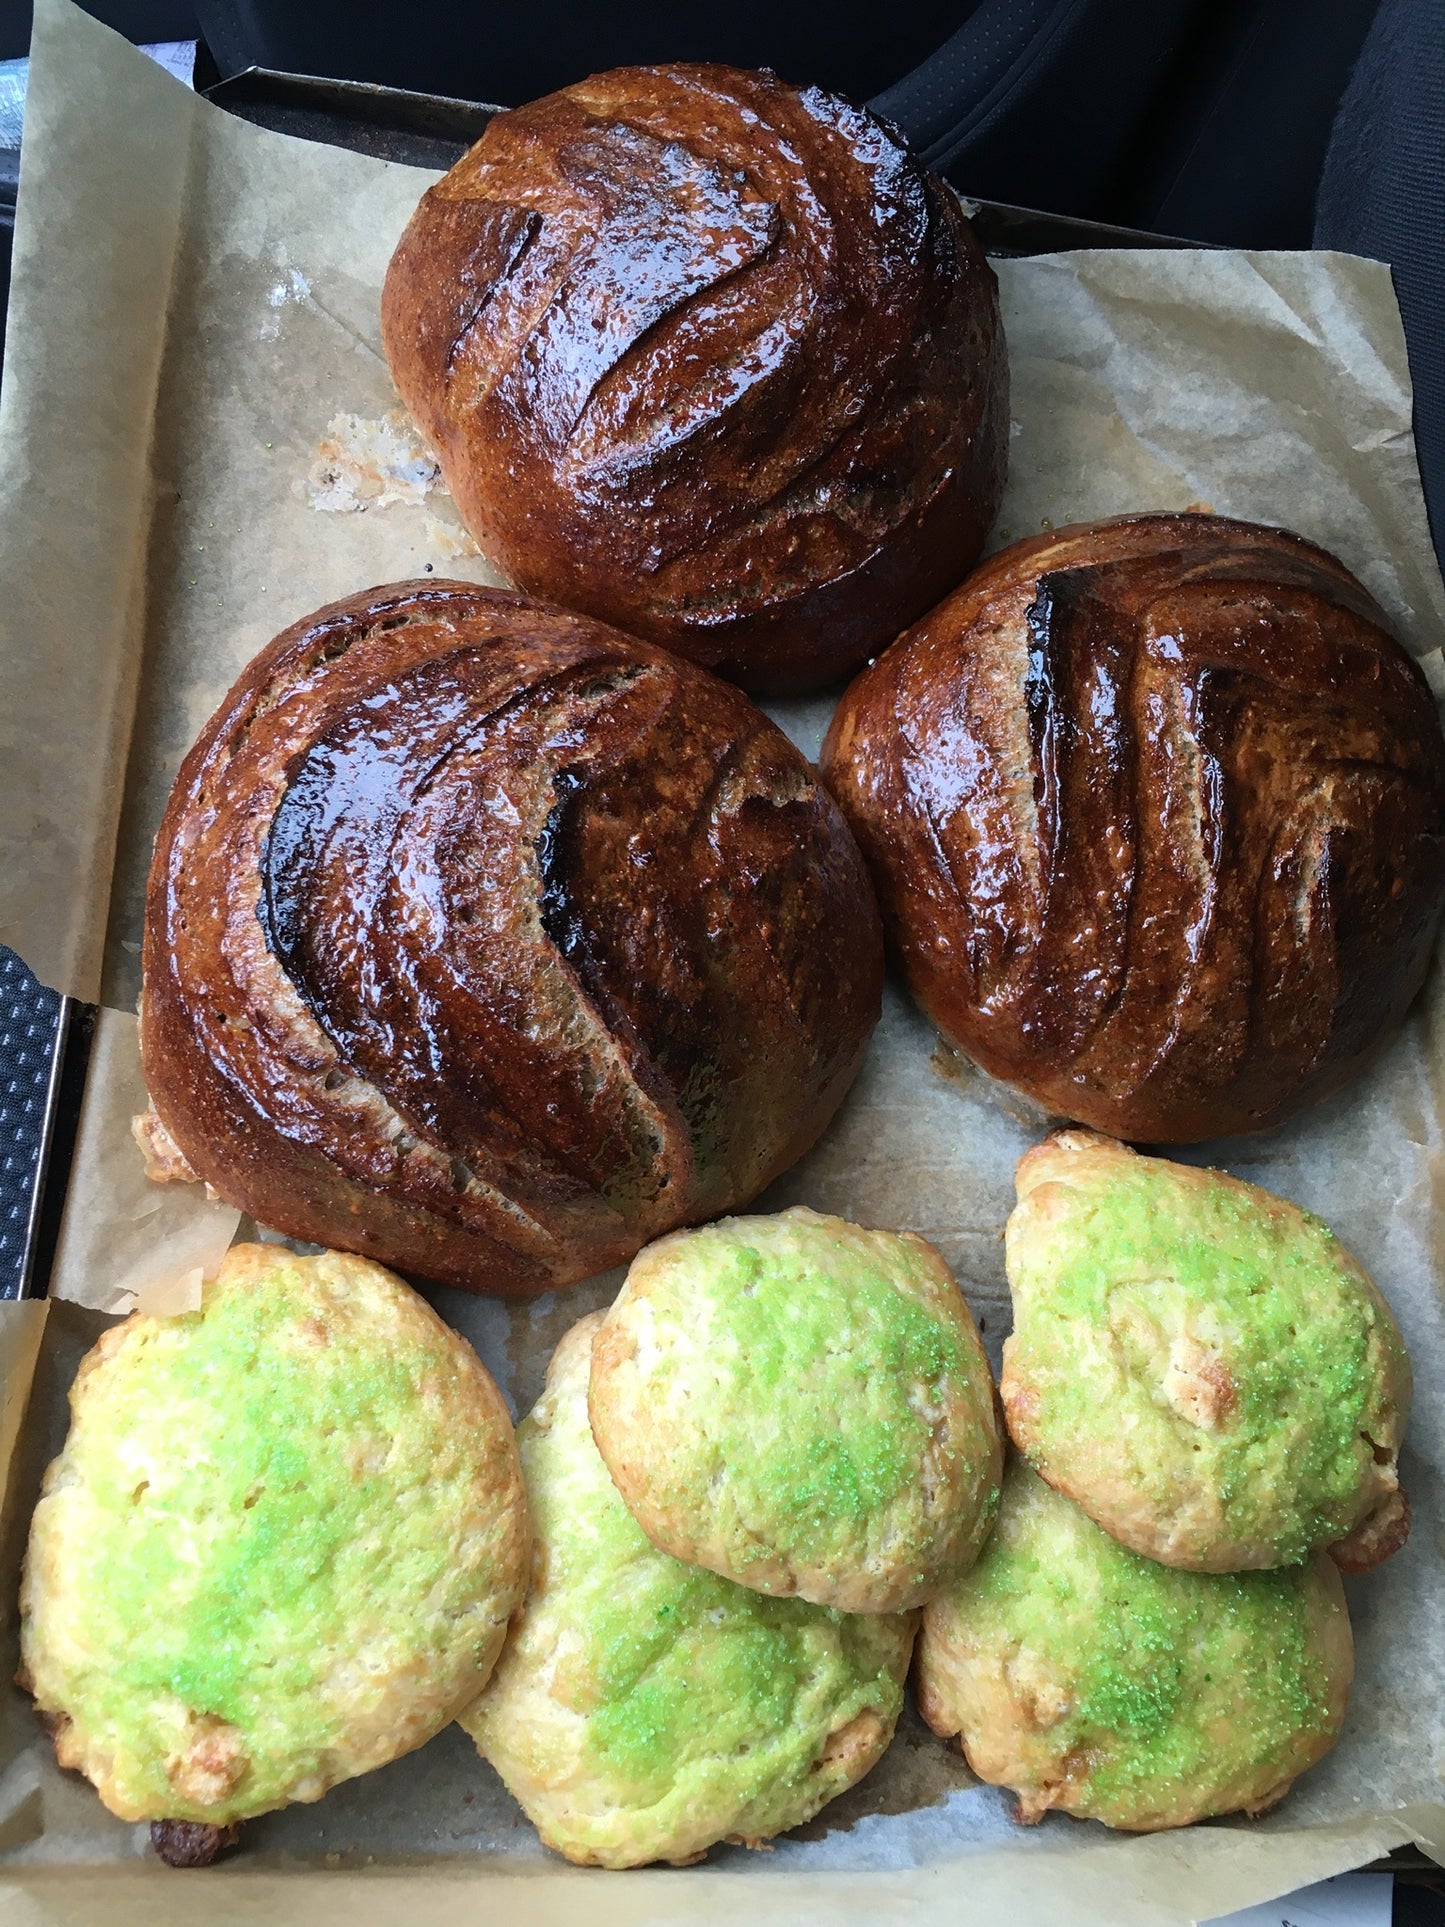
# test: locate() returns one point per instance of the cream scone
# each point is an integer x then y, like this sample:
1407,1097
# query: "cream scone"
1200,1365
803,1406
281,1546
644,1709
1090,1679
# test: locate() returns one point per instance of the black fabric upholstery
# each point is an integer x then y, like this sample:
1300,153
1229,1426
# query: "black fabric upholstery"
1037,101
517,49
138,20
29,1015
1234,144
1382,194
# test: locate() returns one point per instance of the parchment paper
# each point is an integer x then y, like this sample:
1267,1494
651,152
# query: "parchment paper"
193,392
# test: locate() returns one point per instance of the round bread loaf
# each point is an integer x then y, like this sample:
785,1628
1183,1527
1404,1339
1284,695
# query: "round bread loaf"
280,1548
1200,1365
1089,1679
803,1406
492,943
1156,808
711,359
644,1709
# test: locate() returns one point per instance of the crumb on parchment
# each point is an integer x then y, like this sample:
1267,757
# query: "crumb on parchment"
363,463
165,1161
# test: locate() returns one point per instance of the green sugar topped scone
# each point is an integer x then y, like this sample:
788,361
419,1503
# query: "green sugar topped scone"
643,1709
803,1406
1202,1366
280,1547
1093,1680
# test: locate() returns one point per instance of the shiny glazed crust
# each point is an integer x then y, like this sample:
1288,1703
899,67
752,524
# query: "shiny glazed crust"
492,943
709,358
1155,808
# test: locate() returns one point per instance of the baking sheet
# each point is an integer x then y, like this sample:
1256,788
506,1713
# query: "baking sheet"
190,458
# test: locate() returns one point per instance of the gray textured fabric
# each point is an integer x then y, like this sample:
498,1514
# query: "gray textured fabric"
1383,194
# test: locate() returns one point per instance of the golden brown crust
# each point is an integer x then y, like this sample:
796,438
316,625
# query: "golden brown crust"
712,359
491,943
1156,807
1378,1536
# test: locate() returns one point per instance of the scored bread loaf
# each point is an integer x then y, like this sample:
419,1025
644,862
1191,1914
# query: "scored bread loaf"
491,943
711,358
1156,808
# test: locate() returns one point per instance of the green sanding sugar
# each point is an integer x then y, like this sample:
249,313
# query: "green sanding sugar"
865,1342
254,1498
264,1511
802,1405
1128,1273
684,1665
1161,1681
693,1703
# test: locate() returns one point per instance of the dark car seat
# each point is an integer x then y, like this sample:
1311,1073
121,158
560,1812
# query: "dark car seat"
1005,88
1382,194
